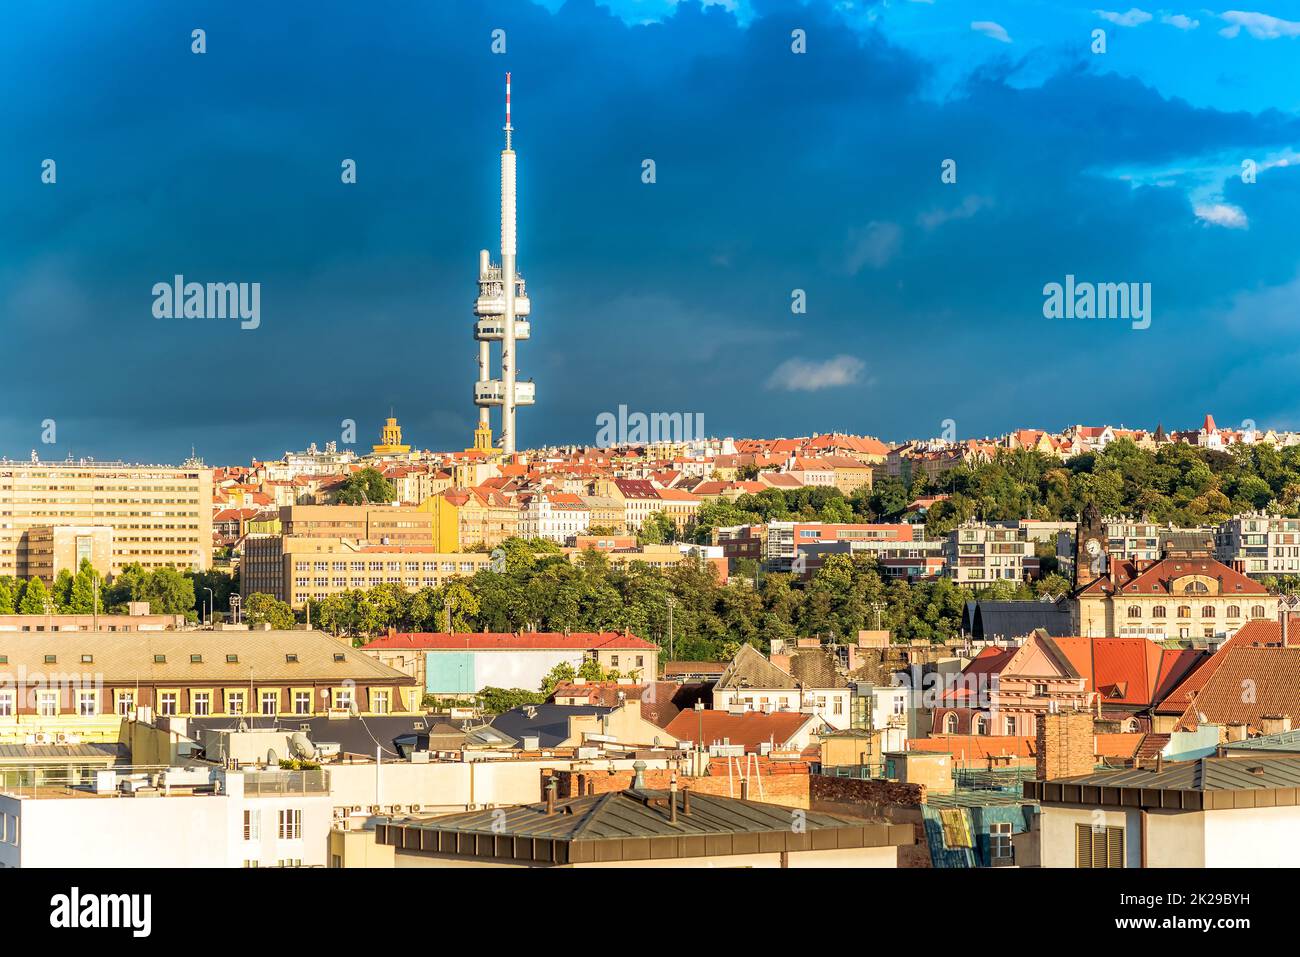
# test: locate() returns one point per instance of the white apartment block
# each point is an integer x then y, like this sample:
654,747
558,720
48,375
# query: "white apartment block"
176,818
1259,544
555,521
980,554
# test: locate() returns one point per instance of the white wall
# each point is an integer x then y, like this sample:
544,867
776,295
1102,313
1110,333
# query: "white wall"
178,831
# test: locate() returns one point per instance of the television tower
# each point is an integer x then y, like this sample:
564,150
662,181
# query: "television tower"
502,309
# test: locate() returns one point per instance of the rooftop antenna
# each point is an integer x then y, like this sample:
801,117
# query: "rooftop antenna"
508,128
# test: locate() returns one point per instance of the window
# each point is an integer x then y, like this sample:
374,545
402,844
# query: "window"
87,704
1039,689
950,723
6,704
167,703
202,703
252,825
1234,611
47,703
1184,611
1159,612
1000,848
291,659
379,702
270,702
1134,611
302,702
1195,588
1009,726
51,659
290,825
196,659
1256,611
613,660
1207,611
160,659
232,659
125,703
981,724
1098,846
234,702
87,659
343,699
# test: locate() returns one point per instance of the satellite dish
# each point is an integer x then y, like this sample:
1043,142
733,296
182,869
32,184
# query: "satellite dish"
271,757
301,745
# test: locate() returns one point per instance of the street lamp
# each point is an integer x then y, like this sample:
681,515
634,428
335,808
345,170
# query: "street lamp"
671,601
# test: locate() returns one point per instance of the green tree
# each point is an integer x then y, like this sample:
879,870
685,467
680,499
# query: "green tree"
10,588
36,598
260,608
365,486
81,593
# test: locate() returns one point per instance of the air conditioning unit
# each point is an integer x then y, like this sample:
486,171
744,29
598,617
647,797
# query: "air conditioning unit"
61,738
374,809
40,737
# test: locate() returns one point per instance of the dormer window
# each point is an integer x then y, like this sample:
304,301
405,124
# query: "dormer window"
232,659
196,659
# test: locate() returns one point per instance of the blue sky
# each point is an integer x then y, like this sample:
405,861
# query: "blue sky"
775,171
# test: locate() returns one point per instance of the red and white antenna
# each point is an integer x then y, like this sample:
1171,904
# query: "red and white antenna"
508,128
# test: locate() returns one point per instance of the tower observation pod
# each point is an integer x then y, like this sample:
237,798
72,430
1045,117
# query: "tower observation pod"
501,312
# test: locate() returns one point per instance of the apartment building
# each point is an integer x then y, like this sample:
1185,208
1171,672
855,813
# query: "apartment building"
1259,544
176,818
54,683
463,518
295,570
980,554
785,540
398,525
554,516
55,548
160,516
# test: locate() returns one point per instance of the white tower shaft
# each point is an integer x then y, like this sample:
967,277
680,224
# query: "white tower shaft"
509,367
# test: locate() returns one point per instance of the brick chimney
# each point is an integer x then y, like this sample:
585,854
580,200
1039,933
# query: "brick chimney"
1065,745
1274,723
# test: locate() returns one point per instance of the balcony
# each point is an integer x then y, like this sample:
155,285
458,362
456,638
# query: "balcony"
493,329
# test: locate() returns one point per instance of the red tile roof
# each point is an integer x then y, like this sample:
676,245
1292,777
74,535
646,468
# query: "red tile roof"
750,729
506,641
1158,579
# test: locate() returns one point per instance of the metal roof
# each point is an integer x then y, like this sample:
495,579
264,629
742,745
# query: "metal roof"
636,825
1211,783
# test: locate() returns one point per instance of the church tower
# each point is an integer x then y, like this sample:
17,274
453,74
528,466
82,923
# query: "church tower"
1090,558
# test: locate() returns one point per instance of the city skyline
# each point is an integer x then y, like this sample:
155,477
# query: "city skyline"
674,294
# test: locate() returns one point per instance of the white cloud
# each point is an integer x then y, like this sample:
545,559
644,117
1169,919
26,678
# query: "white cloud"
968,208
991,29
1261,26
808,375
1180,21
1131,19
1223,214
872,246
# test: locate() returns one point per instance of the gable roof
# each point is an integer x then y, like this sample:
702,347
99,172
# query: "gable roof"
510,641
1272,676
751,669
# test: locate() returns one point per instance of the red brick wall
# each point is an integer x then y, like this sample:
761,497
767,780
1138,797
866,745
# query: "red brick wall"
894,801
1065,745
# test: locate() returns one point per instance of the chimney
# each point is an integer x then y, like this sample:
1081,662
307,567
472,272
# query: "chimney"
686,802
1065,745
672,798
1236,731
744,789
1274,723
638,779
550,796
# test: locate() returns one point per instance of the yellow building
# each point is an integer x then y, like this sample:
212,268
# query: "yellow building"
465,518
390,440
